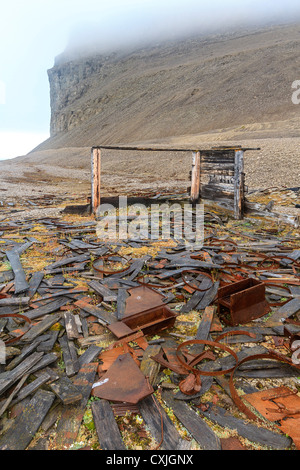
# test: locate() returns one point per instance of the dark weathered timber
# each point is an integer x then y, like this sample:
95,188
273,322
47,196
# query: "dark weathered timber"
208,297
244,429
21,285
121,303
48,308
196,426
22,431
41,327
152,418
7,379
105,317
196,297
34,283
31,388
286,311
106,294
45,361
69,423
14,301
71,363
48,341
71,326
25,352
65,390
67,261
106,427
239,185
203,329
89,355
149,367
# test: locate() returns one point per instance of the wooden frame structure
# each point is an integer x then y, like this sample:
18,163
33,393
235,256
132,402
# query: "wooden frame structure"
217,175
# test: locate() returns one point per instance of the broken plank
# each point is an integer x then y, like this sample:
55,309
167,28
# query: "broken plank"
65,390
22,431
104,292
41,327
31,388
71,416
106,427
71,326
21,285
7,379
153,413
89,355
69,356
244,429
196,426
104,316
149,367
50,307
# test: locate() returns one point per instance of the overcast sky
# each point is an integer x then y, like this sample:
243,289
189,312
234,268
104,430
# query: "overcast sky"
33,32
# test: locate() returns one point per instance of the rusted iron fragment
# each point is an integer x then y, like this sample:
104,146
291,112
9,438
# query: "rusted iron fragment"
275,404
241,302
124,382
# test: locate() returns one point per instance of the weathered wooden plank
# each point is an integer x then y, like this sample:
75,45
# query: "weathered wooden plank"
287,310
40,327
196,297
106,318
22,431
121,303
89,355
96,179
34,283
69,356
149,367
69,423
209,297
48,341
31,388
71,326
196,175
50,307
196,426
7,379
65,390
106,427
104,292
249,431
152,414
21,285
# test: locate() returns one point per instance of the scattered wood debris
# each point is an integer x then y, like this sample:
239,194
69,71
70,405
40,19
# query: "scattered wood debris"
76,310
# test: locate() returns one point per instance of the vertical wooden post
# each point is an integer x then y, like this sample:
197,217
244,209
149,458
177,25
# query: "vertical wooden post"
96,178
239,185
195,187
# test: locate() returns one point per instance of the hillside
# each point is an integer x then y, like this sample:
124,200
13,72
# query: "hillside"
190,87
192,93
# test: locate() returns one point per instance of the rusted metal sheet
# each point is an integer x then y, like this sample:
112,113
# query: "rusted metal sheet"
124,382
144,312
242,301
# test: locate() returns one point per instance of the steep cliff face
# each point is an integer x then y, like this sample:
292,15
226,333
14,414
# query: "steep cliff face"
179,88
69,82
